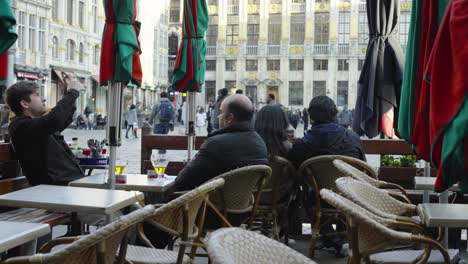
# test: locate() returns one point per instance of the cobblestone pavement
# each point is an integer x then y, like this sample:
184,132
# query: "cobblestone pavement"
131,147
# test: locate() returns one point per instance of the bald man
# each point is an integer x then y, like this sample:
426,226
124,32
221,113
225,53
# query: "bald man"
234,145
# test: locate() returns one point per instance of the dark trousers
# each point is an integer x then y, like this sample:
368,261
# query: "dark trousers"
161,128
132,128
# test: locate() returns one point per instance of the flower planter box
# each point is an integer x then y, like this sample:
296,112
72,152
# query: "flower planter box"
402,176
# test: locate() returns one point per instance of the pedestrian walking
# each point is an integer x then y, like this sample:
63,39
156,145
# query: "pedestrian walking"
201,119
132,121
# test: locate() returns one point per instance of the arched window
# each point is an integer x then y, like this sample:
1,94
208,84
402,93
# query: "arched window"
173,44
70,50
81,53
96,55
55,47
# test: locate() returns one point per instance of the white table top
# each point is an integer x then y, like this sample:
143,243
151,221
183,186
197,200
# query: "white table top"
13,234
135,182
427,183
70,199
448,215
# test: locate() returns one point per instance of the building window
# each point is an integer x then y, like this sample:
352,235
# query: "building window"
81,53
70,50
319,88
173,44
251,92
322,1
174,14
213,2
343,27
404,27
296,65
343,65
231,65
321,65
21,29
55,47
296,93
32,33
54,9
254,2
273,65
42,36
210,91
342,98
95,16
81,10
211,65
322,26
70,10
363,29
253,29
212,31
297,31
251,65
274,30
96,55
298,1
232,31
360,64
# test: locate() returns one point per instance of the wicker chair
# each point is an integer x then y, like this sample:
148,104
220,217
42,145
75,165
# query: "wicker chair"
178,219
107,245
237,195
236,245
276,194
349,170
369,236
376,200
319,172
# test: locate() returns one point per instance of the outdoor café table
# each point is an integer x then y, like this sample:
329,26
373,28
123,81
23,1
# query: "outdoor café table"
71,199
427,183
154,188
13,234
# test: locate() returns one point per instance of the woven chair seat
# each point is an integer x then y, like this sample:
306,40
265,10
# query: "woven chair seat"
145,255
236,245
409,256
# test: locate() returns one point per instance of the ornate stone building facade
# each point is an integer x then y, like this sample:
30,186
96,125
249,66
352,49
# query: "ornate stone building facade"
294,49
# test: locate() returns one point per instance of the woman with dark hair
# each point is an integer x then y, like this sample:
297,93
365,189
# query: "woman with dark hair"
271,123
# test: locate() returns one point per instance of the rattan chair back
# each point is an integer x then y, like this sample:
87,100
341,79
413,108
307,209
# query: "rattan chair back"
236,245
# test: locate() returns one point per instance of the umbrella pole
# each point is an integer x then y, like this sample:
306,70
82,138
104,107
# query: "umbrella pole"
114,120
190,124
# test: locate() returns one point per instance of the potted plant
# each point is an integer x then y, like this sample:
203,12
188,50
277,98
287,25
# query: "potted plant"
400,170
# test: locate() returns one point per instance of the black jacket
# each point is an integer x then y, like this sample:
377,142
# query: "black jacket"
43,154
225,149
327,139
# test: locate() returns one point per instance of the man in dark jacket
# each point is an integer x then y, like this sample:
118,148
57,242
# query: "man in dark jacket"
325,137
42,152
234,145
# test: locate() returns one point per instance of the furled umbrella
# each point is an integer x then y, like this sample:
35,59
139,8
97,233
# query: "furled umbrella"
7,35
189,69
379,85
120,64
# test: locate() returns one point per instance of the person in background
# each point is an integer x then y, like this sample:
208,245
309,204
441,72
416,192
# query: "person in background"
209,114
88,112
183,111
345,117
271,123
35,134
222,93
201,119
132,121
305,119
239,91
162,115
271,99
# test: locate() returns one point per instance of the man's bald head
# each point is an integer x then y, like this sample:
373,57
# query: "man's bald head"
236,108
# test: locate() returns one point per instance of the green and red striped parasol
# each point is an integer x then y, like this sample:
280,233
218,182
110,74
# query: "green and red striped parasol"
189,69
7,35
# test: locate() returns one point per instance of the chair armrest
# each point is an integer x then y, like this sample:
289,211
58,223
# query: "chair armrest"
58,241
427,250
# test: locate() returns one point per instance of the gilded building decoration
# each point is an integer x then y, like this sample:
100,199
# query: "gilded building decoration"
212,10
273,75
344,6
231,50
253,9
405,6
322,7
275,8
296,50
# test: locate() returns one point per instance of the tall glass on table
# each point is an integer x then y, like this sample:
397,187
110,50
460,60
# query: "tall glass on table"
159,162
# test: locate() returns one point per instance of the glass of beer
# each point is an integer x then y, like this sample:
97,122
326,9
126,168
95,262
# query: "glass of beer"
120,167
159,164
